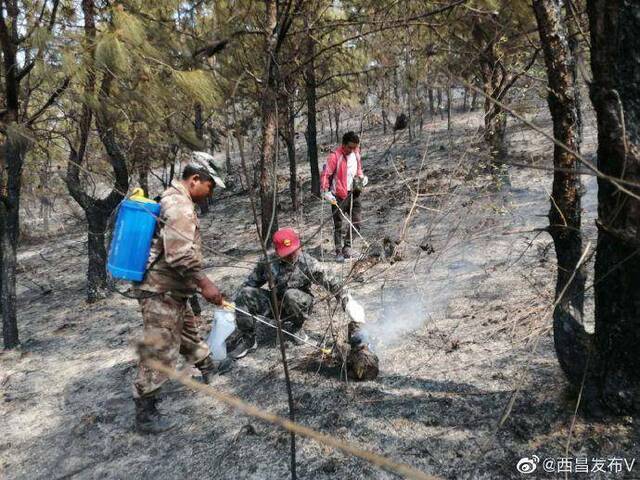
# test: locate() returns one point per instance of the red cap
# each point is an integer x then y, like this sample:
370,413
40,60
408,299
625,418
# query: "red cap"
286,241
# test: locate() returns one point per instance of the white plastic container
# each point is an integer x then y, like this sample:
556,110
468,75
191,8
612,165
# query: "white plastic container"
354,310
223,325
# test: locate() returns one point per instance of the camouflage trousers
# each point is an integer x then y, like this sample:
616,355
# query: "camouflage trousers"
295,307
352,209
169,328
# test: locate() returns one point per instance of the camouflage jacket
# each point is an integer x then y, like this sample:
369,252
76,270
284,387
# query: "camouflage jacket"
300,275
175,261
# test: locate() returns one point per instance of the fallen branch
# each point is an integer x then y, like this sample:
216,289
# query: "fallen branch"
248,409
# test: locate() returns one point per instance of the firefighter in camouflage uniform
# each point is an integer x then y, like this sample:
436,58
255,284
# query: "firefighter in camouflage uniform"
174,274
293,273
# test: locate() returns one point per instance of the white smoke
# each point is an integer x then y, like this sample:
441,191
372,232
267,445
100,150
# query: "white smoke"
403,311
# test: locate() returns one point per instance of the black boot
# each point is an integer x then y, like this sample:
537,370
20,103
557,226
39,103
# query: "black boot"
246,345
148,418
210,367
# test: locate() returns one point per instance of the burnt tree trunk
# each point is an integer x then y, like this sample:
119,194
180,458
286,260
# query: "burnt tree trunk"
140,159
396,86
495,119
573,39
97,211
15,27
383,105
269,100
615,91
431,103
10,179
293,172
227,152
449,106
571,340
97,252
9,230
228,137
312,131
408,85
172,172
198,121
198,126
288,135
474,101
143,178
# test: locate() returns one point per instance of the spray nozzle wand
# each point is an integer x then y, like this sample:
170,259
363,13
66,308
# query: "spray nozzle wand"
232,306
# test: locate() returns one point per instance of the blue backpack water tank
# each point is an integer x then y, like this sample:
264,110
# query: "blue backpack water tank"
131,242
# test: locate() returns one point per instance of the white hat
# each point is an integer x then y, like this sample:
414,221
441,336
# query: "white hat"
205,161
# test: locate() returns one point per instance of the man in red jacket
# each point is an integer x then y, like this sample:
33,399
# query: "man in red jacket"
341,183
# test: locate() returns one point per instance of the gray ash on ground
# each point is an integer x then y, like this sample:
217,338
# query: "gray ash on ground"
480,332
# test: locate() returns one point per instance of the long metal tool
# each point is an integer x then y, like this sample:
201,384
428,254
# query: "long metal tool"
326,351
335,203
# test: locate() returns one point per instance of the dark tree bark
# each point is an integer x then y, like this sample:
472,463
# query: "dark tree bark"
384,95
385,120
9,230
97,211
573,38
228,137
97,252
408,85
143,177
268,179
336,112
474,101
396,86
141,158
449,106
15,147
312,133
288,134
13,152
46,198
571,340
431,103
293,172
198,121
198,126
615,93
227,152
